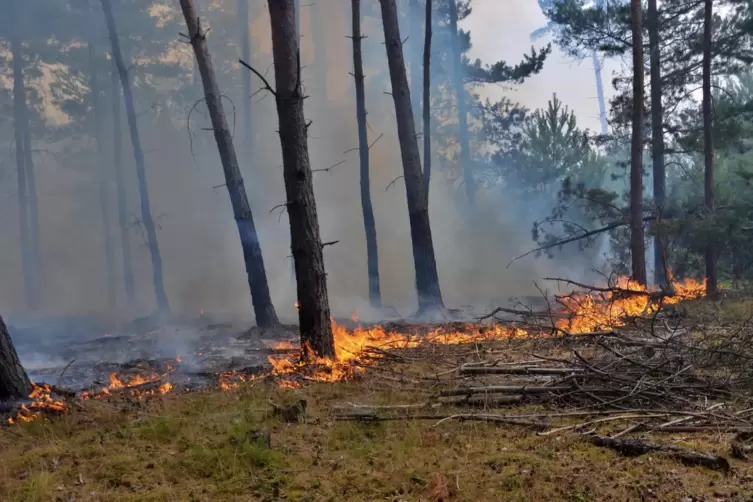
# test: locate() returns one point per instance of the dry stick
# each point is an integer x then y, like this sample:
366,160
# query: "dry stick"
483,370
598,421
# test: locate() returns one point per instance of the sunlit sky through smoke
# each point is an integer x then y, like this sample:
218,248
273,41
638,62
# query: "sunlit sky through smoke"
501,29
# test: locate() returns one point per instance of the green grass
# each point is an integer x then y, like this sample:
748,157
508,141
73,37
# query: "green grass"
210,446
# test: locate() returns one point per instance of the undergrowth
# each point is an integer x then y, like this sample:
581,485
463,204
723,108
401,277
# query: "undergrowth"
218,445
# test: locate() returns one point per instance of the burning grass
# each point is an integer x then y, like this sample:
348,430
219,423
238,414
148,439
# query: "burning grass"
580,312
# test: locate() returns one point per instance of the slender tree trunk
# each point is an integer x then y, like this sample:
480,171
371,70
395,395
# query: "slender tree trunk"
146,211
104,179
637,245
457,81
30,199
372,254
414,46
305,241
196,75
14,383
427,99
427,279
244,218
600,94
19,98
600,87
657,139
31,181
245,41
708,146
120,189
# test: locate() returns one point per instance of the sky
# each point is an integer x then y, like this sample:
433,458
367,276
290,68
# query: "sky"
500,29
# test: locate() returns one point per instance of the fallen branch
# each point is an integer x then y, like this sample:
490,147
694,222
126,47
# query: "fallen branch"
637,447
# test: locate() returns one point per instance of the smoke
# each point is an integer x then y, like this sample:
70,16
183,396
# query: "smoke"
198,239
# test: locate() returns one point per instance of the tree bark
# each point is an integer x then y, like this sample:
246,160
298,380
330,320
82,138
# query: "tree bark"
414,46
427,278
104,199
244,219
637,245
657,138
372,254
427,99
14,383
245,41
120,189
146,211
708,146
19,103
305,241
457,81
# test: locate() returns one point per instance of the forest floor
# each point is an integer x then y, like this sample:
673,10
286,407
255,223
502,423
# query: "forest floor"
244,444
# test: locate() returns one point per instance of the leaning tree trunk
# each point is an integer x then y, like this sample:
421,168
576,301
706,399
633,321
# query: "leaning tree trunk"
708,147
146,211
427,278
244,219
637,245
457,82
657,140
427,100
372,254
19,103
120,189
104,199
245,41
14,383
305,241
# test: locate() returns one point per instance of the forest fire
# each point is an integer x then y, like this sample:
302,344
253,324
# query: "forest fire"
580,312
577,313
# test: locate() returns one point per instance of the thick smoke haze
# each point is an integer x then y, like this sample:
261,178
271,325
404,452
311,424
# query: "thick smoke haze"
197,235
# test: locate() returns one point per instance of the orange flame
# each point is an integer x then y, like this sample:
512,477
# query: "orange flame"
580,313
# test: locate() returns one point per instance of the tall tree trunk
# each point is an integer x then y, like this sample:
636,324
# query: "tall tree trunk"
427,279
708,146
104,181
196,75
244,218
637,245
600,86
245,41
14,383
657,139
414,47
600,93
19,103
305,241
120,189
372,254
31,181
457,81
297,7
427,99
138,153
